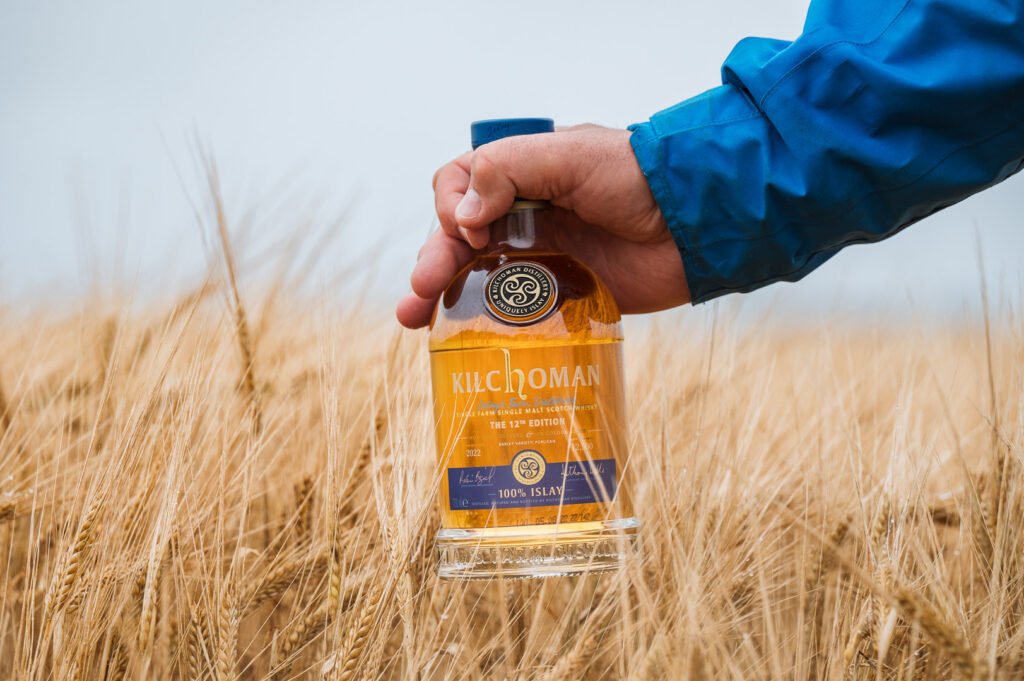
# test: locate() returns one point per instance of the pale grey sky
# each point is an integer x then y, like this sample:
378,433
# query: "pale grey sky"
345,102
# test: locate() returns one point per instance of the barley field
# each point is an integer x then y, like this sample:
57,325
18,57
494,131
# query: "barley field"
239,485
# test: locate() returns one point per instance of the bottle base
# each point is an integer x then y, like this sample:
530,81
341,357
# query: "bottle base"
537,550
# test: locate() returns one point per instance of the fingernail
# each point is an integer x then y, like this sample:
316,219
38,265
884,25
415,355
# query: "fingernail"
469,207
465,234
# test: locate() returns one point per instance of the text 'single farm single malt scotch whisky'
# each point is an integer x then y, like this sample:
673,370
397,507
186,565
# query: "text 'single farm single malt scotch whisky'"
526,365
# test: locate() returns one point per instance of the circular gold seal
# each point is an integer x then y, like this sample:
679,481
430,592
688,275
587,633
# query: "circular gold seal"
528,467
520,292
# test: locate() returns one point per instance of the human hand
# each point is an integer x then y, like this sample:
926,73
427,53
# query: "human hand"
607,217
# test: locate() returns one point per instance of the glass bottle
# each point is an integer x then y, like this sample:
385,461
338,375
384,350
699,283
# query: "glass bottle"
528,386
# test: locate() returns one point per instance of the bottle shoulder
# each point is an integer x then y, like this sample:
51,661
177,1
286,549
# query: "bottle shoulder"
582,311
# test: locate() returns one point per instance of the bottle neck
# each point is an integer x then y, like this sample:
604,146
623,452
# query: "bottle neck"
524,228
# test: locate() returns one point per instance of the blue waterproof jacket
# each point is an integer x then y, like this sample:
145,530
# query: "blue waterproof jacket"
881,113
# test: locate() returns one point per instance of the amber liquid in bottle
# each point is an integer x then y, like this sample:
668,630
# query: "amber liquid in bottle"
526,366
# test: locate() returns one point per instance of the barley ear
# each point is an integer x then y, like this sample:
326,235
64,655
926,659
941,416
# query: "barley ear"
197,653
66,574
573,665
5,411
308,628
228,630
945,637
117,663
8,511
860,631
149,583
359,633
282,578
303,492
245,345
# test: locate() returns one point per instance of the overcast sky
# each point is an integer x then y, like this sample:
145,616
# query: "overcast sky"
328,104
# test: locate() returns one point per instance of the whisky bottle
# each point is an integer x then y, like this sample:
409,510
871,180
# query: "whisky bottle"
528,387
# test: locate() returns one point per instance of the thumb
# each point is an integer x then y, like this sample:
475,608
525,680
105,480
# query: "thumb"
544,166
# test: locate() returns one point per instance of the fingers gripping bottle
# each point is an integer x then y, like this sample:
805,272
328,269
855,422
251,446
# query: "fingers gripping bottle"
528,386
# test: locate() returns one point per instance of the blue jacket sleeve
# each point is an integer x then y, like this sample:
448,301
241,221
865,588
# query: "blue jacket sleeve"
880,113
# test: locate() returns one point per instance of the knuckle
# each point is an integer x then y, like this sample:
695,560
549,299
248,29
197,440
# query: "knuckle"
448,226
492,164
483,164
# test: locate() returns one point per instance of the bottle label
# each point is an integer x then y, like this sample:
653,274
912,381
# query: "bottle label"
521,292
528,435
485,487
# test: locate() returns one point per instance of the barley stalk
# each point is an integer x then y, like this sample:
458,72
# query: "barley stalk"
5,411
65,576
860,631
228,626
149,585
117,663
198,652
241,321
299,636
985,517
881,530
361,466
282,578
921,661
358,635
398,558
572,665
945,636
304,508
8,511
653,657
820,563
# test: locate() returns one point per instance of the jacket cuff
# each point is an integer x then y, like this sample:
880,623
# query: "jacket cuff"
685,147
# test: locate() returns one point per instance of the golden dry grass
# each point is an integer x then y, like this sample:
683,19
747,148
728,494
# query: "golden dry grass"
194,493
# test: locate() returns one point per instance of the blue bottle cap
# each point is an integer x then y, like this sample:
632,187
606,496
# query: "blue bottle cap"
482,132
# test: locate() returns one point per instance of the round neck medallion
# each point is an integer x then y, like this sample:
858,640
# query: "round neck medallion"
521,292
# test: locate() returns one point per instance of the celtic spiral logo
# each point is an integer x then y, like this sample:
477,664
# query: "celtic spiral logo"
520,289
520,292
528,467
